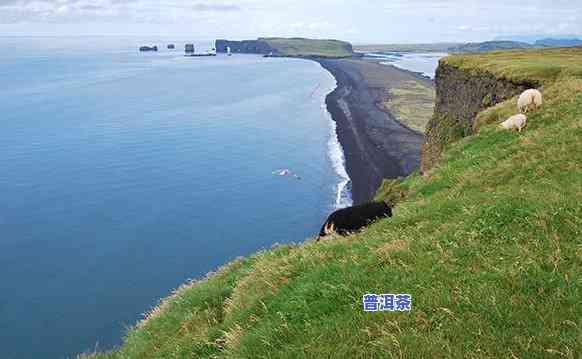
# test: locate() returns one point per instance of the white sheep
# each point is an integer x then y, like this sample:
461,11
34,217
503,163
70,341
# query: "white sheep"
529,99
517,122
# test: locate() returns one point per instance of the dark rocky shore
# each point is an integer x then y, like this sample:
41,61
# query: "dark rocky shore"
376,146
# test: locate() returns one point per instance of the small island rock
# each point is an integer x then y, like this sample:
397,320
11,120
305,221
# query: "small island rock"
148,48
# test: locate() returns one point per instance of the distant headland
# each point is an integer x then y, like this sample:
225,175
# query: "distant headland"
288,47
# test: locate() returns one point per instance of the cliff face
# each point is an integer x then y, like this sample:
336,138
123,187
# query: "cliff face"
245,47
296,47
460,96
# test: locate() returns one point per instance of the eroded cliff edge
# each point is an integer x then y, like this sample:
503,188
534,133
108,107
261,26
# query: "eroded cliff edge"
460,96
245,46
288,47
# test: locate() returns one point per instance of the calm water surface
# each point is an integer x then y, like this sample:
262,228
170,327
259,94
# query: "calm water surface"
424,63
125,174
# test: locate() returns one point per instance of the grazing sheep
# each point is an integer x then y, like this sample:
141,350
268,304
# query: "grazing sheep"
529,99
351,219
517,122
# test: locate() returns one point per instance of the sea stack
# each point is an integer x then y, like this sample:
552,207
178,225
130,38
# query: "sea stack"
148,48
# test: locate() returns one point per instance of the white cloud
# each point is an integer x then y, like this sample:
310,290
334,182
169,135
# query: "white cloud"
356,20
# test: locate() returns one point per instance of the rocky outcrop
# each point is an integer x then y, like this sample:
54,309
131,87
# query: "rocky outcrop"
148,48
289,47
245,47
460,96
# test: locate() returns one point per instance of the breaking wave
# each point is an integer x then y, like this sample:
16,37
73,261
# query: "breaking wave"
343,195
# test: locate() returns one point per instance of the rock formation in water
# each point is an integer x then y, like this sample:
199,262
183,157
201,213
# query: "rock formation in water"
148,48
245,47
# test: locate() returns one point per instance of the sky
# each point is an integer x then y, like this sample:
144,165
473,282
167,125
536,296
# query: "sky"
358,21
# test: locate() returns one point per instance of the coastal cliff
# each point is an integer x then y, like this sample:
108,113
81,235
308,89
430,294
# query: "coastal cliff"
487,245
460,96
291,47
245,47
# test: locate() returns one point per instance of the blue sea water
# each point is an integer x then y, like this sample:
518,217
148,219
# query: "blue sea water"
124,174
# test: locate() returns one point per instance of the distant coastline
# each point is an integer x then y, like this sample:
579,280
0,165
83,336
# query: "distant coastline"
375,144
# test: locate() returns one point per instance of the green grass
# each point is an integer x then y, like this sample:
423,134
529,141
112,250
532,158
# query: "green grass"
544,66
310,47
412,103
489,245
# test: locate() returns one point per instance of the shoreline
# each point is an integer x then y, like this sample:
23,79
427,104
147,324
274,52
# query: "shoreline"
343,194
375,145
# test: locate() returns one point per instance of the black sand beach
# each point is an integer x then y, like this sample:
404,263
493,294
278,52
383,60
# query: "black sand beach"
376,145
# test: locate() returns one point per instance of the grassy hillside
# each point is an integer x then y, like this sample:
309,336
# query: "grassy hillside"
412,103
490,46
310,47
471,47
546,66
489,244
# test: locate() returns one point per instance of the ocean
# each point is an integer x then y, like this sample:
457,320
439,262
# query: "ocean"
124,174
423,63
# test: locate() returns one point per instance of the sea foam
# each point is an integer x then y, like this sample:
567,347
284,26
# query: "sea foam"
336,155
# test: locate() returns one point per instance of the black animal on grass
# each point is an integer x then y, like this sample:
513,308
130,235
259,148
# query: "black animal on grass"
351,219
